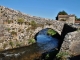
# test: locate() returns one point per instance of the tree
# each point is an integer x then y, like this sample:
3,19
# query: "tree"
76,18
61,13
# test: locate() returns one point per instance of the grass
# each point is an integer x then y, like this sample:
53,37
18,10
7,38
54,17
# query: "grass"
20,20
51,32
13,33
33,24
18,45
32,40
62,55
11,43
8,29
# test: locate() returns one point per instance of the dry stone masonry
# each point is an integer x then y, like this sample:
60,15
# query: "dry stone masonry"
18,29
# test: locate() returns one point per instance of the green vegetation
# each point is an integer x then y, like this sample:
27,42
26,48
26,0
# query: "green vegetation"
20,20
51,32
63,13
33,24
47,56
13,33
8,29
78,19
32,40
11,43
62,55
9,21
5,45
18,45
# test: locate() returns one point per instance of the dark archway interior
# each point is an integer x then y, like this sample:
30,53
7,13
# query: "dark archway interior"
67,29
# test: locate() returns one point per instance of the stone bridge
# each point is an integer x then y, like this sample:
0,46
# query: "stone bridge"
22,34
13,34
54,26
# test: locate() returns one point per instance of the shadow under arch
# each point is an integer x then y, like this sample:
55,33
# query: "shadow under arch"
67,29
52,36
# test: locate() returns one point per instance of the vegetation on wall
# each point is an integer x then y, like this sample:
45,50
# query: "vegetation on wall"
62,55
51,32
9,21
77,18
20,20
18,44
33,24
5,45
32,40
8,29
11,43
13,33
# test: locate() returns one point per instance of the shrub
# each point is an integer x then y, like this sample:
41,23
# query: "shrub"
33,24
5,45
61,55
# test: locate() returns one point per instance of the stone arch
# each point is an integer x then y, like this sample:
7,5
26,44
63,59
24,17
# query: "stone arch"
40,29
46,26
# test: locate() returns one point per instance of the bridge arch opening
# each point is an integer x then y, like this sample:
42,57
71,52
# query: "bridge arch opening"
48,32
49,40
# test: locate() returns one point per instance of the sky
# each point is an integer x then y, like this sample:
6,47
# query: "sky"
44,8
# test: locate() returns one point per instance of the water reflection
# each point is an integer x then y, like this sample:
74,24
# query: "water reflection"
46,42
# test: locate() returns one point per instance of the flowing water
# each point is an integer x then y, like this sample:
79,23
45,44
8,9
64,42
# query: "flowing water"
44,44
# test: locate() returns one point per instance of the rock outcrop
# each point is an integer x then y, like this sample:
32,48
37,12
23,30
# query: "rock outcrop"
71,43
